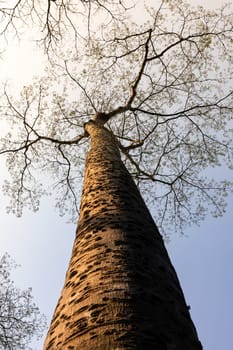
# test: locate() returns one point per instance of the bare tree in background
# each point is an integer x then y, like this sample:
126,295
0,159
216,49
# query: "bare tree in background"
163,89
20,319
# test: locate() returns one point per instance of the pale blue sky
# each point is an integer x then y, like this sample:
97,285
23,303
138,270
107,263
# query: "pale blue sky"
42,244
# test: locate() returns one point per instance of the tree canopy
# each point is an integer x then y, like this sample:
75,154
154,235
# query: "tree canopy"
20,319
161,74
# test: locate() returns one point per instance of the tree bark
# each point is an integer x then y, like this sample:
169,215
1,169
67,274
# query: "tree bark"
121,290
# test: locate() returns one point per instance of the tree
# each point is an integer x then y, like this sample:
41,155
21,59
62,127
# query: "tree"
121,290
20,319
163,89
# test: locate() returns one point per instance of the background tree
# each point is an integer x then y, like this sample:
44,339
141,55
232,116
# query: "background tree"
20,319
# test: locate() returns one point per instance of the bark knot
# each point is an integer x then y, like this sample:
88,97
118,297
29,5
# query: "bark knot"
101,118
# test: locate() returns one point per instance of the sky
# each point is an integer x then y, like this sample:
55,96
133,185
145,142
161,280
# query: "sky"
41,243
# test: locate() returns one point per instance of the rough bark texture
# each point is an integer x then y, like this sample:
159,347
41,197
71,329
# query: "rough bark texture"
121,290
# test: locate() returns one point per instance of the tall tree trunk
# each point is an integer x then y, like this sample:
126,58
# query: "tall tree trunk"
121,290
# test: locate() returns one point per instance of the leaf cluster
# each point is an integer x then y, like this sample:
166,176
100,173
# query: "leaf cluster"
20,319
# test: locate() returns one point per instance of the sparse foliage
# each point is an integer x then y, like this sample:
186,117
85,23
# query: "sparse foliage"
164,87
20,319
55,19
